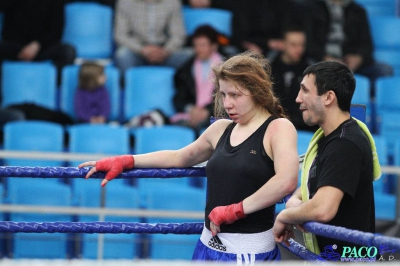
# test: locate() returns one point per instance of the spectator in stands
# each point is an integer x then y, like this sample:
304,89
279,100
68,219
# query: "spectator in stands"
339,30
194,87
287,72
149,33
257,25
92,102
32,31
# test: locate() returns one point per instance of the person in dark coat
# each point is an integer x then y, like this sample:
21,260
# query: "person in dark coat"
32,31
194,88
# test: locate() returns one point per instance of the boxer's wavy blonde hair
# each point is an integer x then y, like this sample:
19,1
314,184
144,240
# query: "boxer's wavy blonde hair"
252,71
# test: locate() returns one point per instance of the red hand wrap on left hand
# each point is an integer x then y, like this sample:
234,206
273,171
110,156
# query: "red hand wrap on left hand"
115,165
227,214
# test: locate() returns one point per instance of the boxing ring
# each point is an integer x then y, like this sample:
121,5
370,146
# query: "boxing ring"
384,243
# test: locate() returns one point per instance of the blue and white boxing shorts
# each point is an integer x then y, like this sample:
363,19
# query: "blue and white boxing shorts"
246,249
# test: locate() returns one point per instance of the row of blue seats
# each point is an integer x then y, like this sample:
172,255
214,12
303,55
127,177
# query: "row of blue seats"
382,110
114,139
107,139
89,138
146,88
151,87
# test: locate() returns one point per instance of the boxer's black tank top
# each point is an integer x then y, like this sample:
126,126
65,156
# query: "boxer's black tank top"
234,173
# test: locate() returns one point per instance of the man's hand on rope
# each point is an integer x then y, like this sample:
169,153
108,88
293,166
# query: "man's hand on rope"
112,165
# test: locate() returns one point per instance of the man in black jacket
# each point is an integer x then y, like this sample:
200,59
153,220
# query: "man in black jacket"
287,71
32,31
339,30
194,88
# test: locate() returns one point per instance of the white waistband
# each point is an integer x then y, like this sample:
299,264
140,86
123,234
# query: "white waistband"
236,243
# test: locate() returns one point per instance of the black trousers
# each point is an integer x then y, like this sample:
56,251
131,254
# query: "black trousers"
61,54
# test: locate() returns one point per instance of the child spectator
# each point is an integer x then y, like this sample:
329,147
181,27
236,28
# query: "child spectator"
92,102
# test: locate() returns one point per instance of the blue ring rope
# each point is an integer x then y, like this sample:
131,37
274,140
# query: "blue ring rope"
353,236
127,228
101,227
303,253
75,172
340,233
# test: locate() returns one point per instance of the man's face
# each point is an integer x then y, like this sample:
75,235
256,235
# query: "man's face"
295,44
203,48
310,102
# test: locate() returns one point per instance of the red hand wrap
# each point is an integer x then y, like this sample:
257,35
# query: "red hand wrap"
227,214
115,165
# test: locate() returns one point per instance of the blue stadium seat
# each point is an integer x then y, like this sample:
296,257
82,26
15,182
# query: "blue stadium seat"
29,82
167,137
148,88
102,139
116,246
382,149
379,8
385,206
89,27
387,99
170,246
390,128
385,202
164,137
362,92
33,136
98,138
168,193
397,152
389,56
362,96
219,19
39,245
69,85
303,139
383,29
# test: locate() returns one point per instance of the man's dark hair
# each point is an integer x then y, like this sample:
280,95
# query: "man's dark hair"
206,31
334,76
293,28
